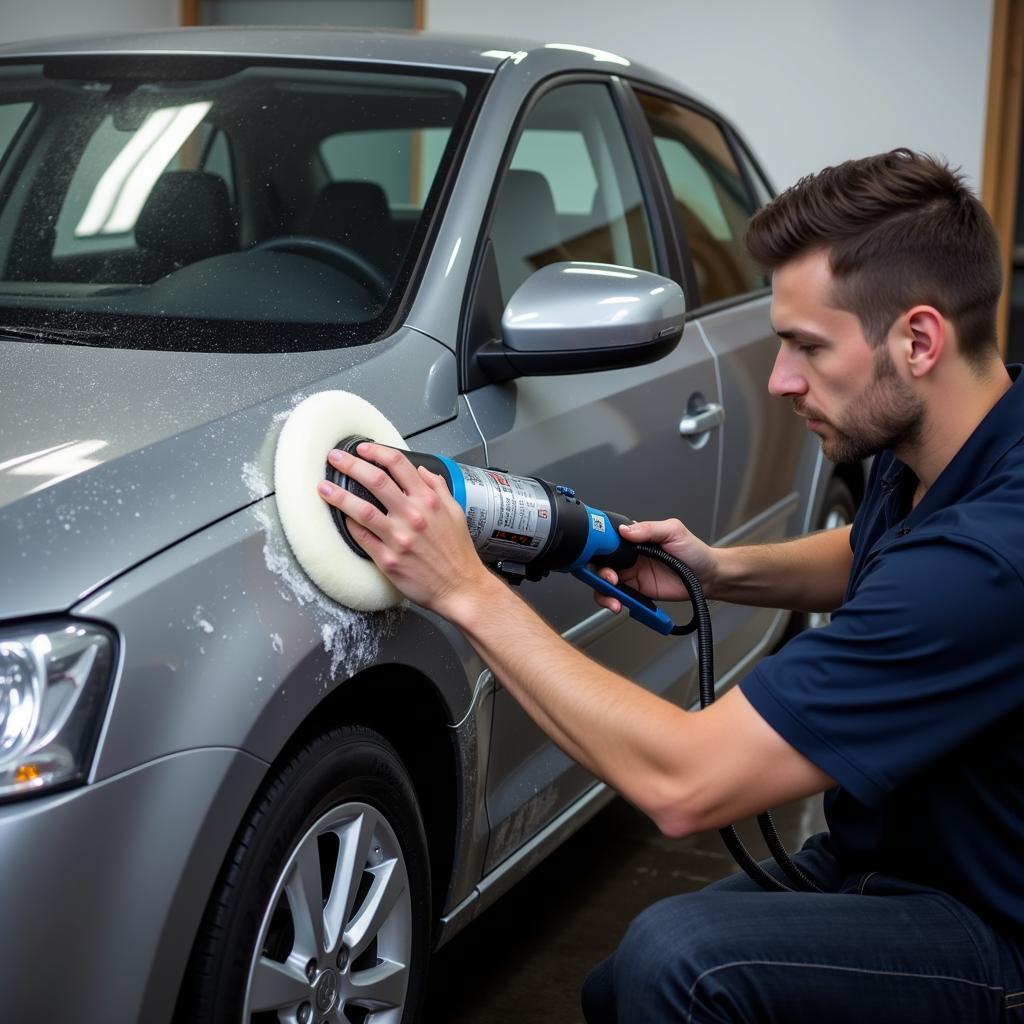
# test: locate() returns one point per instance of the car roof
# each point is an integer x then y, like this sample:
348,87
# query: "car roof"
411,48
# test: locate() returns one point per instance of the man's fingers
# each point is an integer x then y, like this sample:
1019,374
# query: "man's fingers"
611,603
375,479
358,510
366,539
659,531
436,483
386,472
396,463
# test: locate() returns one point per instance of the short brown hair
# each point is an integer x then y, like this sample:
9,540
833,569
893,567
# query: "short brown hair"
900,228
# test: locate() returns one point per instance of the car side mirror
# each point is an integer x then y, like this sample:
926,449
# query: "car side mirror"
580,317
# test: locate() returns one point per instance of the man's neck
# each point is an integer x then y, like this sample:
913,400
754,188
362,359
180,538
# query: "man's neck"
955,405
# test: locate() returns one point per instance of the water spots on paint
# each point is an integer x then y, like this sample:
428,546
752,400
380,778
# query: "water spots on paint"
350,638
200,620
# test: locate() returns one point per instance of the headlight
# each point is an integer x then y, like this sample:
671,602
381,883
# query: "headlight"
53,689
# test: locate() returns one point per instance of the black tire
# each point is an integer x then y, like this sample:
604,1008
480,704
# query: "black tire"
347,783
838,509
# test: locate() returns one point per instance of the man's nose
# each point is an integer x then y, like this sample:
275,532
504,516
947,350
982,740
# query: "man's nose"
786,378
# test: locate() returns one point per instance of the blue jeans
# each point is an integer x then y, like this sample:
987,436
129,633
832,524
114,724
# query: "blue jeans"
871,949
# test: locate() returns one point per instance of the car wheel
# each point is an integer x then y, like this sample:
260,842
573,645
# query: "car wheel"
838,510
321,912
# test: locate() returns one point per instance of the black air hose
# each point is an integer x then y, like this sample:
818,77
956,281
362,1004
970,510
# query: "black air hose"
701,622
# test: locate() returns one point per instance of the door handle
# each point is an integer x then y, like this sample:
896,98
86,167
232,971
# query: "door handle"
700,422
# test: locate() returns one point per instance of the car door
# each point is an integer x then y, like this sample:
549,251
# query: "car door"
572,190
761,439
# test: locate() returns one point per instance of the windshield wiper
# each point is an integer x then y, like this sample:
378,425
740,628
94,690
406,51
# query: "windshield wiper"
53,335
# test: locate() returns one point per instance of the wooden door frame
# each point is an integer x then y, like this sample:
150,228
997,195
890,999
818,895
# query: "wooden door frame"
1001,166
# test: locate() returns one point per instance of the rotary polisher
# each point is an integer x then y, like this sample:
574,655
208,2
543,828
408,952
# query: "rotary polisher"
526,527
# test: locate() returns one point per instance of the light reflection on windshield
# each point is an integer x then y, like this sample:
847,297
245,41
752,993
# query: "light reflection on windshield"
261,195
126,184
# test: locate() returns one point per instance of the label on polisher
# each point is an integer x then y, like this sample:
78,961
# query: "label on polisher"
508,516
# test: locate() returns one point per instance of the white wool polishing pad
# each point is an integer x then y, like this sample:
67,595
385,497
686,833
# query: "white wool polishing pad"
313,428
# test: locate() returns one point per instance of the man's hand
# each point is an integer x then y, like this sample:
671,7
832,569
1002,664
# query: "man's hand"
654,579
422,544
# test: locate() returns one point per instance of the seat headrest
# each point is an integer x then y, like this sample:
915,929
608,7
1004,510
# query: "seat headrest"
188,217
356,213
525,230
343,207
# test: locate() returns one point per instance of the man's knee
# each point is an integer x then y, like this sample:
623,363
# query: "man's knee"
598,995
663,953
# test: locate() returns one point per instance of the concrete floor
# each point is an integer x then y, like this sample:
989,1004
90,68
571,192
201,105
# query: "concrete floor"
523,961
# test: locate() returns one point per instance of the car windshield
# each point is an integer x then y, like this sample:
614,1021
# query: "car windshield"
216,204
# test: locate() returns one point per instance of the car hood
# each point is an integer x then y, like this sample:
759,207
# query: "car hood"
110,455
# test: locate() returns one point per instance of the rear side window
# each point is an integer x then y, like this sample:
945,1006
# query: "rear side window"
711,198
571,191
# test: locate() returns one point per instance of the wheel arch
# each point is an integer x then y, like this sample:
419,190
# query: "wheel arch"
423,740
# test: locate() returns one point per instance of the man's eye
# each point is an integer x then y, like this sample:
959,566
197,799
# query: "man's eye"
808,350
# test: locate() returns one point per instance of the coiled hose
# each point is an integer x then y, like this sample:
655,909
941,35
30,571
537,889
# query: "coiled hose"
701,622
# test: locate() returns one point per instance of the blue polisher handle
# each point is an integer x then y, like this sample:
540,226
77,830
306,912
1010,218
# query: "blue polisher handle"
641,608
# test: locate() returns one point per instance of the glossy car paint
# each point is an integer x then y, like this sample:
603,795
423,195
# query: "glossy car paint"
136,490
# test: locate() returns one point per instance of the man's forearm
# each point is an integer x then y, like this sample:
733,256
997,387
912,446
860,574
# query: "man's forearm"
808,574
609,725
687,771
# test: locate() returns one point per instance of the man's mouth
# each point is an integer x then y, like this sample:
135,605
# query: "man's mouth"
812,417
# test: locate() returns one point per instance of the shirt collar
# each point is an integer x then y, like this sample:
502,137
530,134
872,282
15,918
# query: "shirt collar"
999,431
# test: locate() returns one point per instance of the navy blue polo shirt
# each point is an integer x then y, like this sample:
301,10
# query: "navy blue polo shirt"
912,699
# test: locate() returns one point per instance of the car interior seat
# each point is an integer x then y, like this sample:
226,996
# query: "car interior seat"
187,217
525,231
599,236
356,214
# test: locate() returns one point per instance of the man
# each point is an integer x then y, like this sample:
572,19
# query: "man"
908,709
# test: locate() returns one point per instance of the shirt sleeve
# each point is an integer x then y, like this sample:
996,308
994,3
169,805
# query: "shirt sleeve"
924,656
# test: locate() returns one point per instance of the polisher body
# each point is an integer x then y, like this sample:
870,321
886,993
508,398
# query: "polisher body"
527,527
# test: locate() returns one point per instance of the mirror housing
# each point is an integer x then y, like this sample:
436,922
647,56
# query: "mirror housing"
580,317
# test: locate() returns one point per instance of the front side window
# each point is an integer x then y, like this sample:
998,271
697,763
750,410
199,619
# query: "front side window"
216,204
711,199
571,191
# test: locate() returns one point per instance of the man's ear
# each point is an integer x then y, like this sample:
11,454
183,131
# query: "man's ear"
923,337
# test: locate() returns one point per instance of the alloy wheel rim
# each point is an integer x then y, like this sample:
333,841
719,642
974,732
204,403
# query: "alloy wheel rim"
335,942
836,517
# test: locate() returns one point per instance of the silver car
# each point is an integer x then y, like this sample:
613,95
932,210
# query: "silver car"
223,796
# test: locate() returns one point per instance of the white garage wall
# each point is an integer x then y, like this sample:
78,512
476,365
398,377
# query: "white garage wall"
809,82
34,19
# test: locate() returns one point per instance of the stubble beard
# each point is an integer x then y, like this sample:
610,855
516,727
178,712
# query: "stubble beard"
887,415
